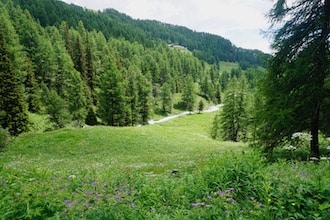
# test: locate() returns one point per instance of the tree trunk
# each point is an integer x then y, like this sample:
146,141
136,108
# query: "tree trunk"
322,69
315,151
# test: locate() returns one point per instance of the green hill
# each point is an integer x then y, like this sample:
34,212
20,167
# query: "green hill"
156,148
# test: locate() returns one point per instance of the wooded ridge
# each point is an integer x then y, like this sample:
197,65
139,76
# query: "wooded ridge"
205,46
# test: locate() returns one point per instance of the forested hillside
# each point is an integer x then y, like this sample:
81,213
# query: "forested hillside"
207,47
76,66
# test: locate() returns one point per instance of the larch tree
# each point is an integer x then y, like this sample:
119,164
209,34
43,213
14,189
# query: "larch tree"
167,98
189,94
145,89
12,98
233,119
295,88
112,97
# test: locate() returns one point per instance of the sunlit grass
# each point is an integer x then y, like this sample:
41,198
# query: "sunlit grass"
177,144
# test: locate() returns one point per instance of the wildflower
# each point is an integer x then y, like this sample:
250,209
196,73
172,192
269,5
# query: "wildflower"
118,196
221,193
71,177
132,204
231,199
89,193
296,135
93,184
195,204
302,136
232,189
290,148
105,184
68,203
199,204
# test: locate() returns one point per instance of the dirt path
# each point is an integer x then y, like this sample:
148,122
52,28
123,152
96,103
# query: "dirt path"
210,109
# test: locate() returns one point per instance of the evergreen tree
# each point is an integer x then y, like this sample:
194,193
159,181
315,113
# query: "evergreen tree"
32,90
79,58
167,99
56,107
217,95
234,115
112,98
68,83
133,96
294,88
145,89
189,94
200,106
216,127
90,69
12,101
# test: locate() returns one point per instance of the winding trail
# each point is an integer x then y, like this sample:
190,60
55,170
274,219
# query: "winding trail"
210,109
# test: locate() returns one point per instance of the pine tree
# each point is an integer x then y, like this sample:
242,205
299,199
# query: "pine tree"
133,96
167,99
32,90
234,115
295,89
12,101
200,106
189,94
68,83
56,107
144,89
90,69
112,99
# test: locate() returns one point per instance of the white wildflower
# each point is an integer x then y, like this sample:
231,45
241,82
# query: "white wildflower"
71,176
290,148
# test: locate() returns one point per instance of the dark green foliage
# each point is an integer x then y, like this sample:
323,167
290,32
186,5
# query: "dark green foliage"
208,47
57,108
189,94
12,101
200,106
68,56
216,127
231,124
144,89
33,92
112,97
91,118
167,99
295,90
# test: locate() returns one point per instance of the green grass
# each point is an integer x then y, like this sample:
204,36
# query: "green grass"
125,173
155,148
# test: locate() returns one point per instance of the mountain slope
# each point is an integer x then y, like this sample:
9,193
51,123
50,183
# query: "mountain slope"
208,47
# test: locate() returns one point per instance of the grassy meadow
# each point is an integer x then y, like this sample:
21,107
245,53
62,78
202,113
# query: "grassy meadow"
172,170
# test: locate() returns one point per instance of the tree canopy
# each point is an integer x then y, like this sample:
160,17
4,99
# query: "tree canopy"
296,89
